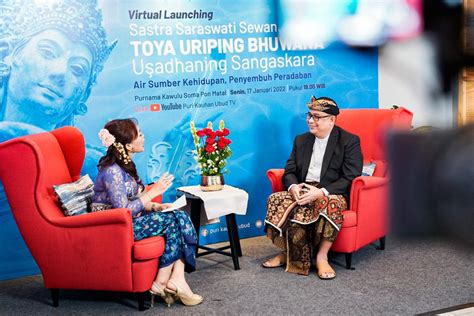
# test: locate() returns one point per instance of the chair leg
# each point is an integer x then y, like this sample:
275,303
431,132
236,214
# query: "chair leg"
55,297
141,300
382,243
348,260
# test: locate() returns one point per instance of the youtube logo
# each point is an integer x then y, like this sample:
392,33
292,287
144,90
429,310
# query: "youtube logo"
155,107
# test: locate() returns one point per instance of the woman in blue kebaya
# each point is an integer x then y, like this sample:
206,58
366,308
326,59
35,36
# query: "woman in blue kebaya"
119,186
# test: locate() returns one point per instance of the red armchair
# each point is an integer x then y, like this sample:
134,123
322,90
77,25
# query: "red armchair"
366,220
94,251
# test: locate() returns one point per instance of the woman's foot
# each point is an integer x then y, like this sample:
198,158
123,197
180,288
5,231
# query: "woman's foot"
324,270
181,290
159,289
275,262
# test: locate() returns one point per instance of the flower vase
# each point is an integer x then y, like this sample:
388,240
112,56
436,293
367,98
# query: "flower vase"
212,183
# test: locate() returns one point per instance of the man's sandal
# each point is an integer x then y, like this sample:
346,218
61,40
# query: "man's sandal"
268,265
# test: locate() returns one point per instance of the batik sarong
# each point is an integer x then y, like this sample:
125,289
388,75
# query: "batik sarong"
297,229
179,233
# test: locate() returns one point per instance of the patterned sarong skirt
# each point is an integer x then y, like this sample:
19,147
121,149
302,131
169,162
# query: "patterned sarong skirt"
295,229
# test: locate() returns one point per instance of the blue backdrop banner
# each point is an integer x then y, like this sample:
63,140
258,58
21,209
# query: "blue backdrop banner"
82,63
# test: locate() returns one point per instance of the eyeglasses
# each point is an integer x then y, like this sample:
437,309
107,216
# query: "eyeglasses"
315,118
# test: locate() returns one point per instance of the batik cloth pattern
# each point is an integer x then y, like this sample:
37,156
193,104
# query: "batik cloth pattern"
296,229
179,233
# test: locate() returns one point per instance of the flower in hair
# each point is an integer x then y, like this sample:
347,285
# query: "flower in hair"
106,138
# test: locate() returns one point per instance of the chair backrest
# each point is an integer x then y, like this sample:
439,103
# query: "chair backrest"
30,166
371,125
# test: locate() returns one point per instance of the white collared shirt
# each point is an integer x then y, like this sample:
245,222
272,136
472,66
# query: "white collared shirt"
314,170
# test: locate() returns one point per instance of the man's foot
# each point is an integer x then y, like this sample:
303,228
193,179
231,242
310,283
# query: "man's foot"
275,262
325,271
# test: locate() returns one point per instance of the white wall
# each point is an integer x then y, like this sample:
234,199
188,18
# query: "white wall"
408,77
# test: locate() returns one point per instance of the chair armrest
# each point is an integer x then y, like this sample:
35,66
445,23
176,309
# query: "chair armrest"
369,200
365,182
275,177
120,216
373,185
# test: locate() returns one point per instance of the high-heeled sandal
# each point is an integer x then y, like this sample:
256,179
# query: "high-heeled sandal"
157,290
186,299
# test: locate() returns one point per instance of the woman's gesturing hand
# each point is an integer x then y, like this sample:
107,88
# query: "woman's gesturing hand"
163,183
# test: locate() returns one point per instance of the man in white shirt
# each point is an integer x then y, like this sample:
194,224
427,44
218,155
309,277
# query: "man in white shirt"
318,177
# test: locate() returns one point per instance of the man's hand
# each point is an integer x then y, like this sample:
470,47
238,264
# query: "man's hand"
296,191
310,194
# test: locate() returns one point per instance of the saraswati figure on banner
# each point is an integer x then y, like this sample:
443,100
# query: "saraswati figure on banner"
51,53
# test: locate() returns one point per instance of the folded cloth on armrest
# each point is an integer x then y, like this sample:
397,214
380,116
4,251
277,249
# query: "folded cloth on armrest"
75,197
369,169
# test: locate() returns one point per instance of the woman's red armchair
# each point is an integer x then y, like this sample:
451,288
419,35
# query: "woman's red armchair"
94,251
366,220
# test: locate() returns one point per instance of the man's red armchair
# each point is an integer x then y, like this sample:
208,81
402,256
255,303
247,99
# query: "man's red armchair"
366,220
94,251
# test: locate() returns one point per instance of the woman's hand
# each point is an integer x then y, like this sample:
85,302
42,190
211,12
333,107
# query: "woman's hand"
160,186
156,207
162,207
312,194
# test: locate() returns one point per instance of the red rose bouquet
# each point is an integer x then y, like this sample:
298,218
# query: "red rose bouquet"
212,148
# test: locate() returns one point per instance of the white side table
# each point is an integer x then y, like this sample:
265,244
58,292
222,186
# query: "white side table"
228,201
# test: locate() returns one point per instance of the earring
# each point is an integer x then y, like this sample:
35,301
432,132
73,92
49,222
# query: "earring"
81,108
5,48
5,69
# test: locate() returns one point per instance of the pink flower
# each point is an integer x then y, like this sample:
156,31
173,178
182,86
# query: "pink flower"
106,138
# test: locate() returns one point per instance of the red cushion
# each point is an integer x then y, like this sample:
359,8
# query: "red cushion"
350,218
149,248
